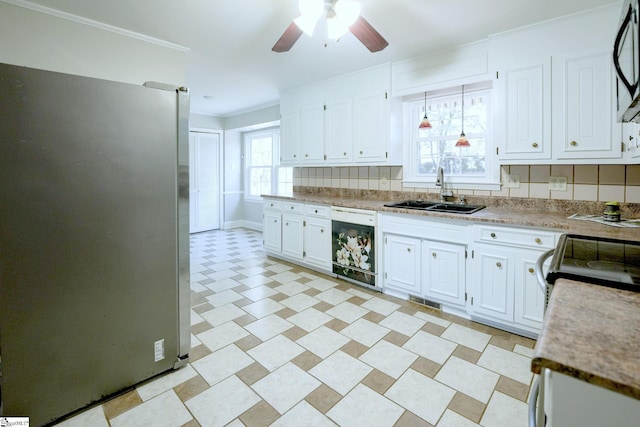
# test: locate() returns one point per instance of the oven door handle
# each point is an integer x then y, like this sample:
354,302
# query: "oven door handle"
533,401
542,282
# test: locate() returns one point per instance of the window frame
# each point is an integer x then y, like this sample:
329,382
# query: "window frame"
275,166
414,110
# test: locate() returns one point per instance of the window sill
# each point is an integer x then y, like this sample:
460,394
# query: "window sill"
491,186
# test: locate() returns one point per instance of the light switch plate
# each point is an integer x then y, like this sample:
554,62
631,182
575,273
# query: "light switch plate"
557,183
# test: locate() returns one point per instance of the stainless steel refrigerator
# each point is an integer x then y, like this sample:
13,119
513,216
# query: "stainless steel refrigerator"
94,244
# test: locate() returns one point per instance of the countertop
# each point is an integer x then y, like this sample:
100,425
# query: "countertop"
592,333
523,212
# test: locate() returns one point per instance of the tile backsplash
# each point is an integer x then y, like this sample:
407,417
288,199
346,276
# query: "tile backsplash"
584,182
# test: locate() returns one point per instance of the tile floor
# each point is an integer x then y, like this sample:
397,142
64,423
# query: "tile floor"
277,344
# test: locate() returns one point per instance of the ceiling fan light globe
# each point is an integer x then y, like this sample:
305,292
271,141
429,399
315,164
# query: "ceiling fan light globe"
347,11
306,24
311,9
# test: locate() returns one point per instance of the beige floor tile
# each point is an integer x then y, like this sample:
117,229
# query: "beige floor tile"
453,419
378,381
466,336
396,338
431,347
191,388
354,349
467,406
404,323
248,342
165,410
252,373
268,327
426,367
513,388
323,341
294,334
466,353
323,398
507,363
409,419
237,398
165,382
347,312
221,364
121,404
260,415
389,358
306,360
276,352
365,332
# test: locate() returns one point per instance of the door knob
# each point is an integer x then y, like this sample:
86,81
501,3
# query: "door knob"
499,264
573,143
530,270
534,145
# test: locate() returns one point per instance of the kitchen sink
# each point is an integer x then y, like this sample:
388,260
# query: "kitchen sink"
437,206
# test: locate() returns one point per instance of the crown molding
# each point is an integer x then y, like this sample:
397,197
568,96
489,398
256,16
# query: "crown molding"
96,24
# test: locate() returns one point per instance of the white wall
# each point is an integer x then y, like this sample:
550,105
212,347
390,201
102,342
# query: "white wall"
39,40
200,121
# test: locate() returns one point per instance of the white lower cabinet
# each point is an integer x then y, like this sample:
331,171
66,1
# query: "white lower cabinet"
421,261
443,272
298,232
272,226
402,263
504,291
492,282
317,237
292,235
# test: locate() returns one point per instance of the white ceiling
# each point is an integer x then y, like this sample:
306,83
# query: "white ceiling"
230,41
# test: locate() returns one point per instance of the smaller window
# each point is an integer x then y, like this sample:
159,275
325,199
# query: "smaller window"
264,175
434,147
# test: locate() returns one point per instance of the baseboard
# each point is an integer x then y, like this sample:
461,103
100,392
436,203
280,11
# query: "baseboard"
257,226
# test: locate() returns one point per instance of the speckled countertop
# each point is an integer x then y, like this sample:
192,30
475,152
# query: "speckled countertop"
592,333
549,214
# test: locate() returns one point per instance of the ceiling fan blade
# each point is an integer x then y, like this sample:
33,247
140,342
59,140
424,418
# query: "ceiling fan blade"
368,35
288,38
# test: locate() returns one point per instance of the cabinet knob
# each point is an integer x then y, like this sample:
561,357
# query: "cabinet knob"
316,211
534,145
295,155
630,137
573,143
538,241
409,250
499,264
530,270
275,220
361,152
345,153
433,254
322,230
306,155
292,207
493,235
271,205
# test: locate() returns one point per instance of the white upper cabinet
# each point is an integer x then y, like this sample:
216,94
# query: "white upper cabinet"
338,132
584,108
554,91
346,120
522,121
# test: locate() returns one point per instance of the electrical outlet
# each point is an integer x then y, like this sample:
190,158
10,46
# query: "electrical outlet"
557,183
511,181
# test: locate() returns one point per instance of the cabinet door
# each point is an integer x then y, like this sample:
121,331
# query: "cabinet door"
528,297
338,130
443,272
289,138
492,282
271,230
586,102
370,128
312,133
317,242
402,263
292,235
526,121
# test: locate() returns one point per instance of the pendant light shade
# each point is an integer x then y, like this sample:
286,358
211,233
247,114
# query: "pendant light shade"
425,123
462,141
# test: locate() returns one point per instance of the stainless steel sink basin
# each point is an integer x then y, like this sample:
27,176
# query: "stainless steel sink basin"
436,206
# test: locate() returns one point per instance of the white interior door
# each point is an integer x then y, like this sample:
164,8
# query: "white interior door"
204,181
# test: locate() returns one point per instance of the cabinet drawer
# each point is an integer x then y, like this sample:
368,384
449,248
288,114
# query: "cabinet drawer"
293,207
516,237
274,205
318,211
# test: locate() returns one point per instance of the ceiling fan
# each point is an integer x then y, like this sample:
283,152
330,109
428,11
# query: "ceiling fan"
342,16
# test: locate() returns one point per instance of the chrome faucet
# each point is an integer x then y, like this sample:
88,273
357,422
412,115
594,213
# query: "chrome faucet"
440,183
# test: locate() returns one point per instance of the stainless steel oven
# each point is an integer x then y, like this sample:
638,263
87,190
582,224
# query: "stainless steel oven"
353,233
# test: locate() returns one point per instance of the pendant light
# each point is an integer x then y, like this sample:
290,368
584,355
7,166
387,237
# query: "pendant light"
425,123
462,141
